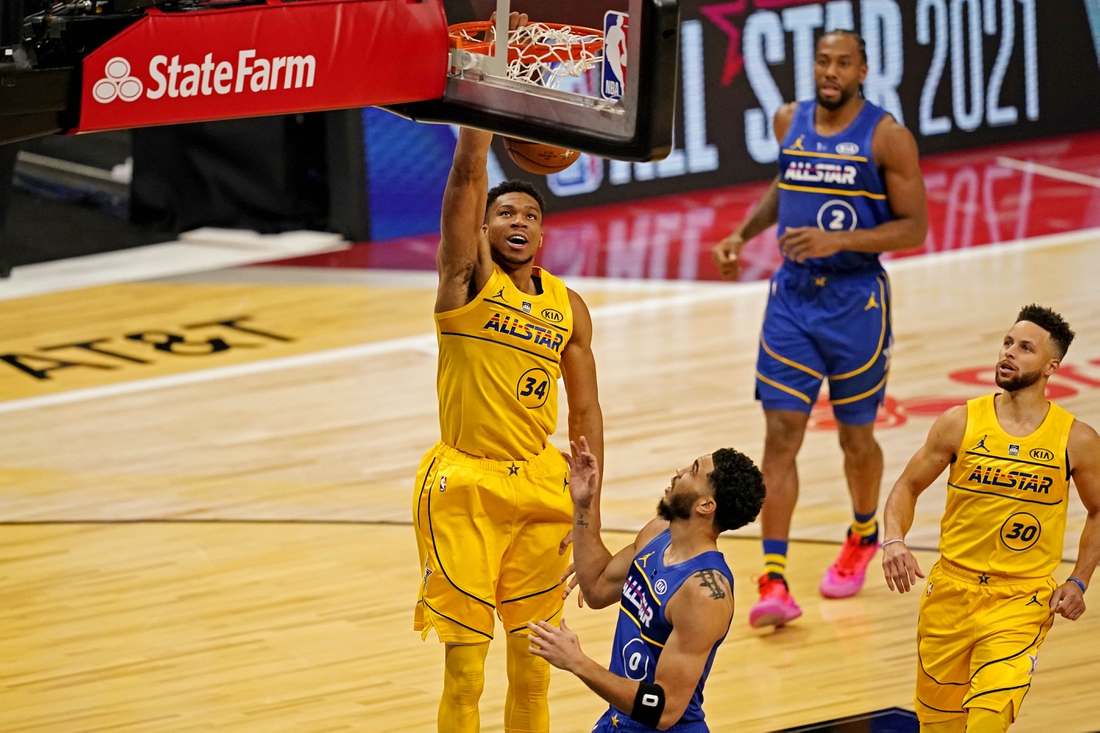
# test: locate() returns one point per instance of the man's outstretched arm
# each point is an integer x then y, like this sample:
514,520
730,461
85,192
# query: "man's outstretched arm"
599,573
945,437
463,257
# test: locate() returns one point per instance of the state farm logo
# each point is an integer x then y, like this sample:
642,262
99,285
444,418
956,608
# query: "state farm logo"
168,77
118,84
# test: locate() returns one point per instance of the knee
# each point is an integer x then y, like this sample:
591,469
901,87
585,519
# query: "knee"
528,675
784,433
859,446
464,677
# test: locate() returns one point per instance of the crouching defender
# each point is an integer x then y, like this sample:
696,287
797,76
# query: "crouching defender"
674,588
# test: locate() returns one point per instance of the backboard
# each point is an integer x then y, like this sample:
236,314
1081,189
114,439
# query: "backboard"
611,93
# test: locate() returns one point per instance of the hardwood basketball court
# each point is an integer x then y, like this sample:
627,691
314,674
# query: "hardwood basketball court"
206,493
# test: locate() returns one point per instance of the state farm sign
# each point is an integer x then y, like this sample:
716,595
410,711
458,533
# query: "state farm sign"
261,60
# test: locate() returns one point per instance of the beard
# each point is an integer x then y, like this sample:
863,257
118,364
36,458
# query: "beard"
1018,381
678,508
845,95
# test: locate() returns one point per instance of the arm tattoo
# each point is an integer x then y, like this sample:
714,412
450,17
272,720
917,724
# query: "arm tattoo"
579,521
710,582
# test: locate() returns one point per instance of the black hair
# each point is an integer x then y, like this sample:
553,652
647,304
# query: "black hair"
1061,335
513,186
851,34
738,488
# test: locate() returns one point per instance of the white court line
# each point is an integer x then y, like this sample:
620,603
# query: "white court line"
1082,236
1050,172
426,343
197,251
423,342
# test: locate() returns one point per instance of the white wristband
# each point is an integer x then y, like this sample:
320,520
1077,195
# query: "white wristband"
890,542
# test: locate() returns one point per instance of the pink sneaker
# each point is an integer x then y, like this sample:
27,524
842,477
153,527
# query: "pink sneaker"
775,607
845,577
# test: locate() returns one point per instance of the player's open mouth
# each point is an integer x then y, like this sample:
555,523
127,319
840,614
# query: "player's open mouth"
1005,367
517,240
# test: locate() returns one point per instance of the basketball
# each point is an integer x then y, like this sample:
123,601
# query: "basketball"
539,158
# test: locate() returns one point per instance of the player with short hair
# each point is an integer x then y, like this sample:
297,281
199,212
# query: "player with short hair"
491,505
849,188
674,589
990,600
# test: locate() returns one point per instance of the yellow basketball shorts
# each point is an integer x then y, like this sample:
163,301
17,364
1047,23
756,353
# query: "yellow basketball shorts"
978,639
488,534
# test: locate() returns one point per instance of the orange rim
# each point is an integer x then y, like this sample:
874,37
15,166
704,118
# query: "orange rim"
460,38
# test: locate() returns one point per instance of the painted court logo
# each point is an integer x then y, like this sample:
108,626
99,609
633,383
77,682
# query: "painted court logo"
118,84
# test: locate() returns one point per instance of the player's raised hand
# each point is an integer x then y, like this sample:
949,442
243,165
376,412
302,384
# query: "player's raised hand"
584,473
727,255
801,243
1068,600
515,20
900,567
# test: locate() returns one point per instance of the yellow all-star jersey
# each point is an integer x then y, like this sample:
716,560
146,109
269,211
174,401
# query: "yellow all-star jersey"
1007,496
499,364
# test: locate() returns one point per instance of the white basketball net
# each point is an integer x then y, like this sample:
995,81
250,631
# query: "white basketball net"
547,55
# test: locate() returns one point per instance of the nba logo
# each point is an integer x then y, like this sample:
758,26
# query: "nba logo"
613,82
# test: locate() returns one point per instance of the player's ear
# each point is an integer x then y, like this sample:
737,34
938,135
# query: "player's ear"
1052,366
706,505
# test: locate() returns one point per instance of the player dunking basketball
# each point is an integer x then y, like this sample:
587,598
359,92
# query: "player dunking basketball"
673,587
492,502
990,600
849,188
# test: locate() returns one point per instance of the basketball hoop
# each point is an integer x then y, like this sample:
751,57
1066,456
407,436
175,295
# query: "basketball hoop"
538,53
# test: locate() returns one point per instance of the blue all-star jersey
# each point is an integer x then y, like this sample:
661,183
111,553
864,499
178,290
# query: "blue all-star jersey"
832,183
643,630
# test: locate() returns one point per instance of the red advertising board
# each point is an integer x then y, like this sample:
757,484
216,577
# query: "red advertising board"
267,59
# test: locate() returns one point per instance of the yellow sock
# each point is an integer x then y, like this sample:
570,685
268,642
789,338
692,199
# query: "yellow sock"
980,720
776,564
775,558
954,725
463,681
865,525
526,709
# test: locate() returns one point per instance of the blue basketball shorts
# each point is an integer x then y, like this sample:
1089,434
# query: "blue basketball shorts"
826,325
614,721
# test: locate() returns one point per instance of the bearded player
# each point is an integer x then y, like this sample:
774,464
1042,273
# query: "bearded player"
492,504
673,587
990,600
849,188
